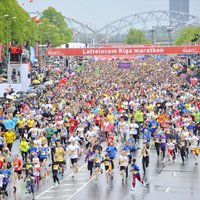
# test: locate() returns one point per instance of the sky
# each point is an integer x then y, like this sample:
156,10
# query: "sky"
97,13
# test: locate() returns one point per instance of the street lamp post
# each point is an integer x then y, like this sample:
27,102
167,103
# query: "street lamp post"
169,30
152,34
6,16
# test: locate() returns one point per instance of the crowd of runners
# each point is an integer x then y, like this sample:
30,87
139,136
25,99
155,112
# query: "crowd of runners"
90,113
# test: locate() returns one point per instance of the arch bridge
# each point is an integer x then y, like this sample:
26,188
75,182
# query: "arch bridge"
146,21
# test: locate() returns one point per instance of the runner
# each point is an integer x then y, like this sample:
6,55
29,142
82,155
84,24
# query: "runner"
97,162
74,151
6,179
111,150
194,142
108,167
123,165
17,163
171,150
90,159
60,157
145,157
135,174
55,170
30,182
24,147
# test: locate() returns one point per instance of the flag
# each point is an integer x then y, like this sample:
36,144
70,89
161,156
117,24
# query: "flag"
32,52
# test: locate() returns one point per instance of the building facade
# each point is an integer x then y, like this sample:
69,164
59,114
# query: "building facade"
179,6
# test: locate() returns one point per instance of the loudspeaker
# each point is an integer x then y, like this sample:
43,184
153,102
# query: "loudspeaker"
27,44
189,62
67,63
194,39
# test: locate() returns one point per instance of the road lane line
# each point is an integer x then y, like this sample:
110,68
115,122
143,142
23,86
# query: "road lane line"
65,190
53,197
167,189
73,184
85,165
81,188
39,195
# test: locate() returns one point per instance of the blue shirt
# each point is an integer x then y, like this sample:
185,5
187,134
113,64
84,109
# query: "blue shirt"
43,152
135,168
153,125
111,150
53,143
163,143
147,137
6,173
32,151
132,140
8,123
128,148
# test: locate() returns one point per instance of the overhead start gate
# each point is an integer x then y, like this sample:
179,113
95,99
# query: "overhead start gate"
151,50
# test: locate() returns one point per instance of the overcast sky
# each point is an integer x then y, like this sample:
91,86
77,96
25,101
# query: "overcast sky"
101,12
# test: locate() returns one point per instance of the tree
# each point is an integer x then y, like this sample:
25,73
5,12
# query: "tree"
53,28
136,36
186,35
16,24
13,22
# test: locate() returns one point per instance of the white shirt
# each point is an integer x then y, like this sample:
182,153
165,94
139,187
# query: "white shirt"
74,138
73,151
123,161
194,141
170,146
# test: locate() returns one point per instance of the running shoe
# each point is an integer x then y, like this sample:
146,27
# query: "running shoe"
132,189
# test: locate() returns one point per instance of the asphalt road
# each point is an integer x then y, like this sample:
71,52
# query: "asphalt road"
165,180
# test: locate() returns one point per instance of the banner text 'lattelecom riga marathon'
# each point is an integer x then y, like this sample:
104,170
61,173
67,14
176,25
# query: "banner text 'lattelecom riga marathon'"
122,51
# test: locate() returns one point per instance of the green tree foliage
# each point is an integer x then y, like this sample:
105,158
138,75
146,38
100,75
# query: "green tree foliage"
136,36
17,25
186,35
53,28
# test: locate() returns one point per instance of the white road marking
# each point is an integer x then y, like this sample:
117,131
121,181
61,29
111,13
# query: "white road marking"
84,166
62,190
167,189
81,188
39,195
73,184
81,178
53,197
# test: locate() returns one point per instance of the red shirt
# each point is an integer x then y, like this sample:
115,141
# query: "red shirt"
73,122
17,164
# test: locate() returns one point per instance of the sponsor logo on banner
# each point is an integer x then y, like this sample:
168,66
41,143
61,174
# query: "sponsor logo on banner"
123,51
124,65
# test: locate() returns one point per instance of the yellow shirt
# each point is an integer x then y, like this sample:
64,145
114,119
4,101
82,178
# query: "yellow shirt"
9,136
20,123
110,117
59,154
24,146
30,123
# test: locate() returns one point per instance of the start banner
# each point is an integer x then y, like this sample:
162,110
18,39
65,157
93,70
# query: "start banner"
123,51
